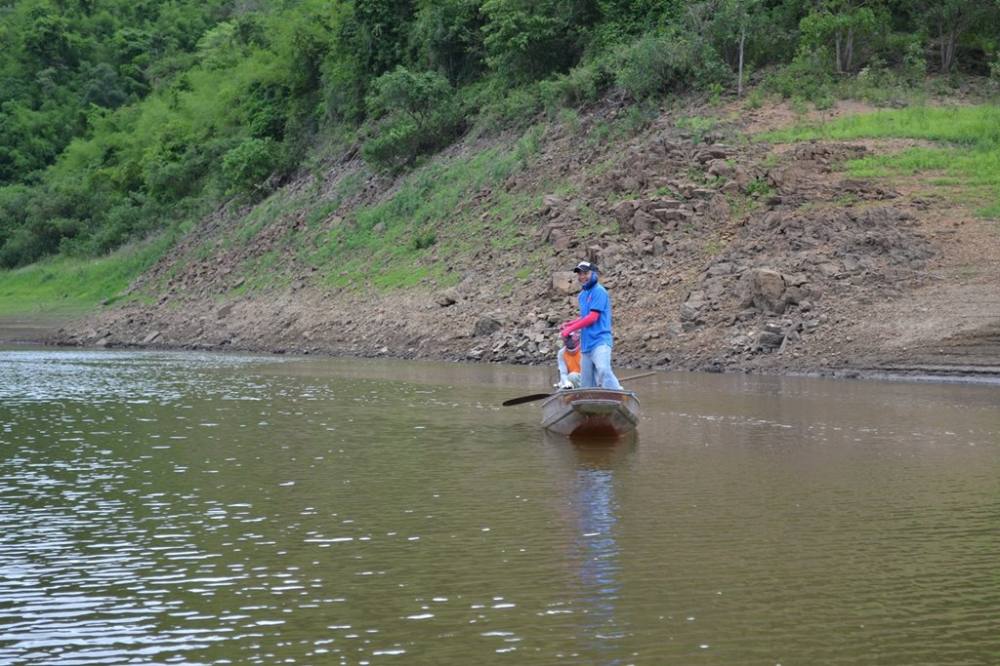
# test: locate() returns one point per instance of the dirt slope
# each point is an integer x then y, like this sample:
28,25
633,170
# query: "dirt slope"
725,255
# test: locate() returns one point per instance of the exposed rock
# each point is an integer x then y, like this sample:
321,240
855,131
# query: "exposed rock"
446,298
672,215
564,282
486,326
765,289
641,222
623,212
720,169
551,203
770,337
692,310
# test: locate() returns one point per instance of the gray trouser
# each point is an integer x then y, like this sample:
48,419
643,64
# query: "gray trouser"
595,367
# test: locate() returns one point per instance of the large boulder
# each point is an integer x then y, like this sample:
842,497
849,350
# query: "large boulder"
764,289
564,282
446,297
692,311
486,326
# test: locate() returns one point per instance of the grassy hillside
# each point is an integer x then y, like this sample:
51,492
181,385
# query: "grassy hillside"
431,216
965,152
65,286
124,120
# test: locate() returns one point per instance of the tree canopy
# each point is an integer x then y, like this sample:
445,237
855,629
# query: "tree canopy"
119,118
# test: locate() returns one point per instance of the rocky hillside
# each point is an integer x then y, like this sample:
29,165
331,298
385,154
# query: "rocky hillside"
720,253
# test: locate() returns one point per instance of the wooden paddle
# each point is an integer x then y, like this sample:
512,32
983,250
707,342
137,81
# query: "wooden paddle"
541,396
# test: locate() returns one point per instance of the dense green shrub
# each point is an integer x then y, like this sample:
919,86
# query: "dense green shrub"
807,77
414,113
656,64
514,107
526,40
248,165
581,85
447,38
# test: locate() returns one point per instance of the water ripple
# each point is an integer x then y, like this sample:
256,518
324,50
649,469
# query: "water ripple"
175,508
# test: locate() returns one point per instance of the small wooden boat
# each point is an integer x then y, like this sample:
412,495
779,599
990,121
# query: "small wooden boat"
591,412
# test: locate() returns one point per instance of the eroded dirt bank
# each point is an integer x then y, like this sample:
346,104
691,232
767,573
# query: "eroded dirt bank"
725,255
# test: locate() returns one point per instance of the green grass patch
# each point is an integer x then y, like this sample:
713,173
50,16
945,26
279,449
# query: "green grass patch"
968,156
69,286
385,244
697,126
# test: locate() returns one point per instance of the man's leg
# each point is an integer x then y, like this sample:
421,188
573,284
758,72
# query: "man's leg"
602,368
586,371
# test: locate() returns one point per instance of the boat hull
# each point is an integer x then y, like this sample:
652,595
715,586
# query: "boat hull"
591,413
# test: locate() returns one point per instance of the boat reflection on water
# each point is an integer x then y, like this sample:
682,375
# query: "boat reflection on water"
592,466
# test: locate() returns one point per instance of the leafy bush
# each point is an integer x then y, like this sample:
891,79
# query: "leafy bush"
526,40
995,71
515,108
393,146
248,165
422,241
35,240
448,35
581,85
652,65
807,77
416,113
656,64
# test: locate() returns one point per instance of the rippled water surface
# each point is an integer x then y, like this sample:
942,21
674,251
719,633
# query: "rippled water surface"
209,509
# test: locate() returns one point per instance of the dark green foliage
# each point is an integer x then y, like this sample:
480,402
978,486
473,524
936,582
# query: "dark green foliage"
424,240
447,37
122,118
247,166
528,39
656,64
414,112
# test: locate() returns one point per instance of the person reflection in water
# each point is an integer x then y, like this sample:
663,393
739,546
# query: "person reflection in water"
596,508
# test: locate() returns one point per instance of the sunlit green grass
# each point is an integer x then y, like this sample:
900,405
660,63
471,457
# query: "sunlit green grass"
968,157
64,286
385,244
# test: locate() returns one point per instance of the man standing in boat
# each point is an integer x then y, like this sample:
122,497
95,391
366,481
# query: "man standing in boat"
594,325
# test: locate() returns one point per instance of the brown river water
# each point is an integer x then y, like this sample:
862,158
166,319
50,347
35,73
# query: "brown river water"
213,509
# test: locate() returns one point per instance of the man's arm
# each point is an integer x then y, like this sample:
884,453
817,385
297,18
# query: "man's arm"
577,324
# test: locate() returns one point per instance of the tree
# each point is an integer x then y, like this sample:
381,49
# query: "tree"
447,37
844,23
417,114
949,20
733,22
528,39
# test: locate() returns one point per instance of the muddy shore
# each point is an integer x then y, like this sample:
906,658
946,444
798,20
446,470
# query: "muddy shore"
725,256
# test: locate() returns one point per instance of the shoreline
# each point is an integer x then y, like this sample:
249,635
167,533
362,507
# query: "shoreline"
38,330
47,332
